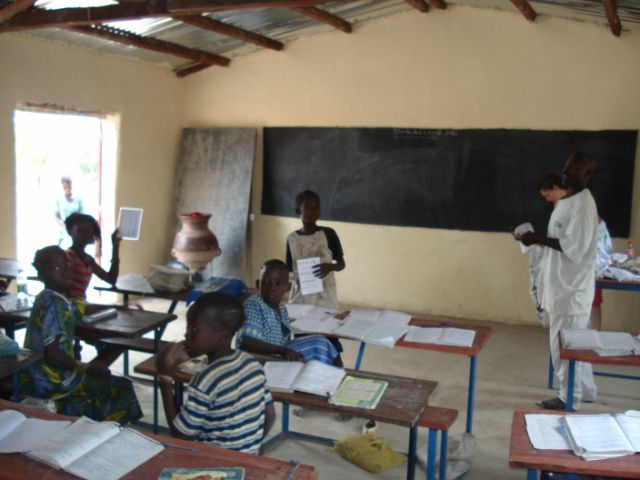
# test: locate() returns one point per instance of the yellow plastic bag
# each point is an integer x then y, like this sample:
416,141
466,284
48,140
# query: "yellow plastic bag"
367,452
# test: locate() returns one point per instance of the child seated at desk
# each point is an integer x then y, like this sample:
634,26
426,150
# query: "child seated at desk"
266,329
84,230
228,403
78,388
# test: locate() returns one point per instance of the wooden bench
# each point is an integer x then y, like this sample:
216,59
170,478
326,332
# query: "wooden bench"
437,419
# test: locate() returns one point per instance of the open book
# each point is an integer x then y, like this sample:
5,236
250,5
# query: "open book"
310,377
368,326
605,344
596,437
455,337
96,450
359,392
19,433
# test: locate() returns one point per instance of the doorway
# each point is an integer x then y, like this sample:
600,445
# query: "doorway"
58,148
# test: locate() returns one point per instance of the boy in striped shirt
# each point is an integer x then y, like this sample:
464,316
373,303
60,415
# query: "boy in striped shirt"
228,404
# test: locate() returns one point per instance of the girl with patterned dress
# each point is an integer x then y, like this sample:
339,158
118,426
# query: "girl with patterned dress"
78,388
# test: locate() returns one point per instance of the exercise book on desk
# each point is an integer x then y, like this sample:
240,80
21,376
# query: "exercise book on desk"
96,450
221,473
454,337
302,310
371,330
359,392
597,437
20,434
311,377
605,344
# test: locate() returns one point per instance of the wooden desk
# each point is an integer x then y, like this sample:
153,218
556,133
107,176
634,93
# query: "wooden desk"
402,403
609,284
523,455
13,365
138,285
16,465
482,336
590,356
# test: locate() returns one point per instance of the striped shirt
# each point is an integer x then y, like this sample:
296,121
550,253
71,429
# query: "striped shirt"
226,404
81,271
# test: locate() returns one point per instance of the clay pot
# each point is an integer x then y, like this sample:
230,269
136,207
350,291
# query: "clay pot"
195,245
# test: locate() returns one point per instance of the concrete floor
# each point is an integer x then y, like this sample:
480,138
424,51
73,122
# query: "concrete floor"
512,372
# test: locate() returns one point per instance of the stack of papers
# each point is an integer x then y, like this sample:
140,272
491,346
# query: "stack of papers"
592,437
455,337
605,344
311,377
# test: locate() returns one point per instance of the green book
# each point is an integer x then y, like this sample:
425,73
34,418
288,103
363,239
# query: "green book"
359,392
204,473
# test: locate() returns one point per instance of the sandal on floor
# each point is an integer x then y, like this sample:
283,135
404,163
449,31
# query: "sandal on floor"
552,404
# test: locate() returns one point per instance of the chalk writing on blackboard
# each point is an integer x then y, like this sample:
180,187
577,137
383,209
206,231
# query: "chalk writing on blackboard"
417,133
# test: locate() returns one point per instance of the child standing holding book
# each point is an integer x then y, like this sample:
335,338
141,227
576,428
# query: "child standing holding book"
314,241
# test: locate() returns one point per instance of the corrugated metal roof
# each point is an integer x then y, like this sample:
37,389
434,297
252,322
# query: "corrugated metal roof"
286,25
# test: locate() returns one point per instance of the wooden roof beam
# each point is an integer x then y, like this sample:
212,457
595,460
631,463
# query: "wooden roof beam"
325,17
189,69
148,43
195,7
526,10
75,17
611,9
14,8
419,5
230,31
441,4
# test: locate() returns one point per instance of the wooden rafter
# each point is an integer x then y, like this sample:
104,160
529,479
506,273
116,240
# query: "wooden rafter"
611,9
195,7
526,10
161,46
441,4
133,10
419,5
325,17
14,8
189,69
230,31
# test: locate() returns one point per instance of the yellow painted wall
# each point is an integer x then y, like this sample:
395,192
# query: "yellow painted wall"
147,98
459,68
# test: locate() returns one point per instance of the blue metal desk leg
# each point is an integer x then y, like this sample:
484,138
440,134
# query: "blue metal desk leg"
413,441
360,355
471,395
172,307
444,436
532,474
285,417
550,376
570,384
156,343
431,454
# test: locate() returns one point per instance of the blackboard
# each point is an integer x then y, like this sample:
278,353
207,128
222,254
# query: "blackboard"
482,180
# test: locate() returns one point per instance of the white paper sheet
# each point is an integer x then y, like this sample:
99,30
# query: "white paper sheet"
281,375
598,434
129,221
325,325
395,317
521,230
309,283
28,433
546,432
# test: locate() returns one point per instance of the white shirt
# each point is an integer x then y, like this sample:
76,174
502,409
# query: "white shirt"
567,278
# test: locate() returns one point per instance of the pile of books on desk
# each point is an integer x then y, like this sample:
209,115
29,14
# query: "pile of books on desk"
592,437
605,344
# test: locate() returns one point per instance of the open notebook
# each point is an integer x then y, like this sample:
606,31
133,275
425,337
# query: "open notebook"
605,344
310,377
455,337
96,450
20,434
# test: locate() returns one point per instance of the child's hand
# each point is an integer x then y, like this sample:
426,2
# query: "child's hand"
115,238
292,356
99,369
170,357
323,269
